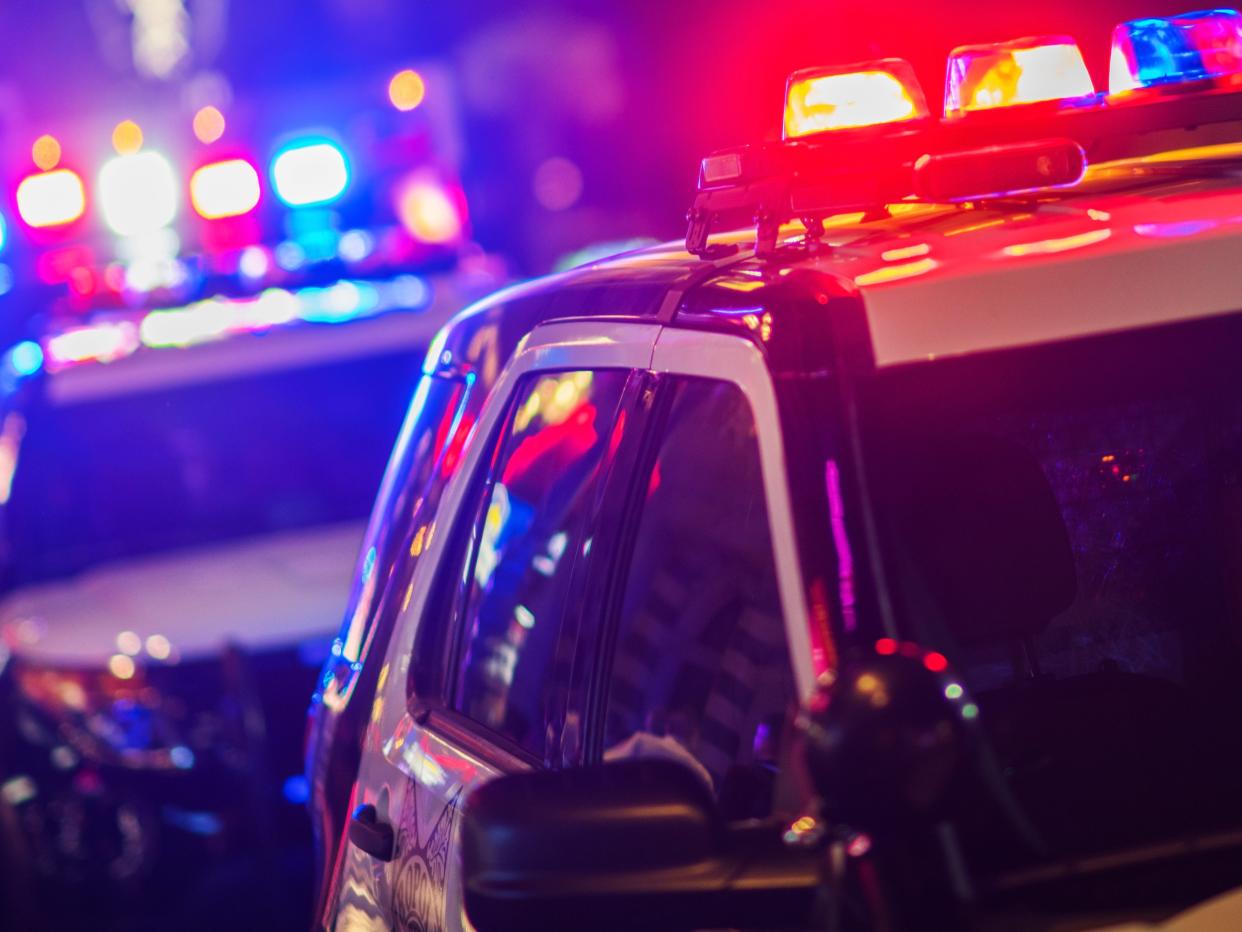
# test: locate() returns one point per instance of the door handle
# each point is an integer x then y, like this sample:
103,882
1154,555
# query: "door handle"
367,832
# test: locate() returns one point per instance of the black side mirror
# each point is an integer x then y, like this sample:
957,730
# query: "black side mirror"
634,844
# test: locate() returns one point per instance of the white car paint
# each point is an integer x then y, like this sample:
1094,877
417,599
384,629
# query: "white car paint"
259,592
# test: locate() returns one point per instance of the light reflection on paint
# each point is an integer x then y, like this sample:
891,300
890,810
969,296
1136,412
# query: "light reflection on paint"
841,540
905,252
1173,230
1045,247
893,273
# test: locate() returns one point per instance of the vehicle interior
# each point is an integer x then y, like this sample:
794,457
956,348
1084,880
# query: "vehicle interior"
1071,544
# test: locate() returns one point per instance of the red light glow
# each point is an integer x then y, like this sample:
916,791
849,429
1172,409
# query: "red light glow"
935,662
886,647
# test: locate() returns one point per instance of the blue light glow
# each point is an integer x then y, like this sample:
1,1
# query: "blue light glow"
310,171
4,232
26,358
296,789
1174,50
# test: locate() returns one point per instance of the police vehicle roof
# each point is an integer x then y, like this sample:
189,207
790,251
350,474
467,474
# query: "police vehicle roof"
1137,242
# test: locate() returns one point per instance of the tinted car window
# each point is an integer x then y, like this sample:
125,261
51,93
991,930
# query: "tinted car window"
532,530
701,670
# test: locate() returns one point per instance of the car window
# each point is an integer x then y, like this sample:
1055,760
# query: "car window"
701,670
531,530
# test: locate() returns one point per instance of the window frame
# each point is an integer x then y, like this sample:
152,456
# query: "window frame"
557,347
682,354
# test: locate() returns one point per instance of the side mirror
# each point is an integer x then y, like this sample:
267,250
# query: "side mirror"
633,844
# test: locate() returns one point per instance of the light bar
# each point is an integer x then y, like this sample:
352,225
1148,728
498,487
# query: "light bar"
224,189
310,171
999,170
819,100
1175,49
138,193
1006,74
51,199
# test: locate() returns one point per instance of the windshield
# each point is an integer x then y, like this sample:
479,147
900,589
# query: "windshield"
117,477
1066,525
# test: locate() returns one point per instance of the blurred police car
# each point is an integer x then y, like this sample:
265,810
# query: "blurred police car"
182,495
964,398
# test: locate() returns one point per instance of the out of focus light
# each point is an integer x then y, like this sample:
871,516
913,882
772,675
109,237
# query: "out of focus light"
296,789
407,89
127,137
817,99
355,245
4,232
46,153
11,435
310,171
427,211
224,189
6,278
138,193
96,343
290,256
253,262
1176,49
122,667
1024,71
159,647
557,184
128,642
51,199
26,358
208,124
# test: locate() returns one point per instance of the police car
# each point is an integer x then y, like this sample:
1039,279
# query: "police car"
964,394
183,491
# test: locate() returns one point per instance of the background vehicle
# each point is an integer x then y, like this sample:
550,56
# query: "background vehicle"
908,415
178,531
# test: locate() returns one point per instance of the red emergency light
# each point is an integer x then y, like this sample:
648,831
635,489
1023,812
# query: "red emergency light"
1019,116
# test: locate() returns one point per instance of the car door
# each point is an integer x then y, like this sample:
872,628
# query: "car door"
476,678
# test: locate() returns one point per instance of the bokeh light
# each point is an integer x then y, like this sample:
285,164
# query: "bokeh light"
224,189
407,89
51,199
557,184
46,152
208,124
310,171
427,211
138,193
127,137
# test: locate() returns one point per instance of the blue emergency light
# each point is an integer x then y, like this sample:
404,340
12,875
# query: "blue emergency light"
1175,50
